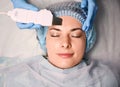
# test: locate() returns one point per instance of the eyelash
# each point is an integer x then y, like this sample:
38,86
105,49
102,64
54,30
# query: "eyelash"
54,35
77,36
71,36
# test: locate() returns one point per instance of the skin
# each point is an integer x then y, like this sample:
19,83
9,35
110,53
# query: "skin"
65,43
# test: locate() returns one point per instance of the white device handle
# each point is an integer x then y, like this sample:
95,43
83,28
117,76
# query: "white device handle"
43,17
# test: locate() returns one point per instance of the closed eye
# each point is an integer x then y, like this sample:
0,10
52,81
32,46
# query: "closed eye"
76,35
54,35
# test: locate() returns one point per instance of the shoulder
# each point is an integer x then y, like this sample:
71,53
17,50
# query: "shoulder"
19,66
103,74
18,73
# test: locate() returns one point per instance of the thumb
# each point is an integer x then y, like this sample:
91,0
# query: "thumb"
84,4
30,7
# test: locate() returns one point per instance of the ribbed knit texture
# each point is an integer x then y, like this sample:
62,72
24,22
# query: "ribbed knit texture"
68,9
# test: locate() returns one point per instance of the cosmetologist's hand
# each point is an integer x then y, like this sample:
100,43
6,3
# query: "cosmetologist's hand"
91,6
25,5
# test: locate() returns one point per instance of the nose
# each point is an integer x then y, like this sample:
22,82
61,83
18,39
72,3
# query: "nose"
66,42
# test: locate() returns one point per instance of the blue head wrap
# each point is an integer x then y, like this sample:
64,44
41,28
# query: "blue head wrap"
68,9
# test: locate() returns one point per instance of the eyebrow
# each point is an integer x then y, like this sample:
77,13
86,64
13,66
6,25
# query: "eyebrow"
74,29
55,29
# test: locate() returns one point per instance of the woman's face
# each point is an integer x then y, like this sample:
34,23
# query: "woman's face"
65,43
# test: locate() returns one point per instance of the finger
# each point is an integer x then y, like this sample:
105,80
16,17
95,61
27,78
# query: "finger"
92,8
88,23
84,3
30,7
24,25
36,26
86,26
94,13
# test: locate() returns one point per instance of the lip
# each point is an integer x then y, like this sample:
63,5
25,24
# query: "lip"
65,55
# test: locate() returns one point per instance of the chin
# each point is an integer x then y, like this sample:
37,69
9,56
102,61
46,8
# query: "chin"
65,66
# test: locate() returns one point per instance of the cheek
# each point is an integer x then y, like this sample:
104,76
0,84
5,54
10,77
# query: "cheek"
79,47
51,45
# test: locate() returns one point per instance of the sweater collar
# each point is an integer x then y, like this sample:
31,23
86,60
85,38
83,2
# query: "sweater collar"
47,65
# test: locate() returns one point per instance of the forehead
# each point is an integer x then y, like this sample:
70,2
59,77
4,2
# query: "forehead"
68,22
